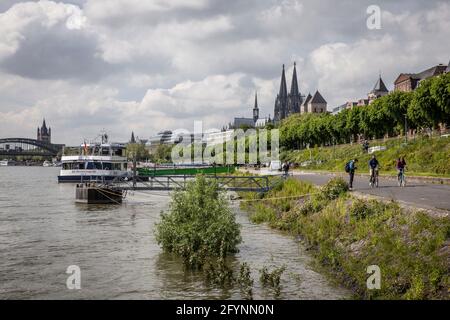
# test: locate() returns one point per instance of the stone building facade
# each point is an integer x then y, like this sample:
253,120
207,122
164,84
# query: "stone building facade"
408,82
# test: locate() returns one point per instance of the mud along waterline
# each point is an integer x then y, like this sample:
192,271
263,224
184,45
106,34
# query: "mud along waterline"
43,231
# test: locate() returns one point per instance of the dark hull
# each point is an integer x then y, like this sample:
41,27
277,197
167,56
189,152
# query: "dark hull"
92,194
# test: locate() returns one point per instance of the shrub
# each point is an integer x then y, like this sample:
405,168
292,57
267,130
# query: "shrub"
218,272
334,188
263,214
313,205
199,224
245,281
271,279
360,209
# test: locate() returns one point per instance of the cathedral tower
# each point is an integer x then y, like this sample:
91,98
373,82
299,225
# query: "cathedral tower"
281,101
295,99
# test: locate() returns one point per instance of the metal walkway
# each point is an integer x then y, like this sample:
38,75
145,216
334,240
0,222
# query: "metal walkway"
258,184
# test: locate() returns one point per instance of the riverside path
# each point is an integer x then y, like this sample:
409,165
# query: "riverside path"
418,194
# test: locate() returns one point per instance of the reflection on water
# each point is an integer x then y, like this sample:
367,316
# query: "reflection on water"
43,231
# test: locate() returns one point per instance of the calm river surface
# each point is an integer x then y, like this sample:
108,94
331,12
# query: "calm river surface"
43,231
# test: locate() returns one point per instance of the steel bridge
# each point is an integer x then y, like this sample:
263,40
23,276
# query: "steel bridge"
258,184
13,147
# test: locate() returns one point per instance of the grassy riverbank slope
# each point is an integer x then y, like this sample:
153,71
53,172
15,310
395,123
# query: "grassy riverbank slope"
424,156
347,235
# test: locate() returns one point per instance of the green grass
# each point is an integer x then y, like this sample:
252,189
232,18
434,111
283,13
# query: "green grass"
347,235
277,201
424,156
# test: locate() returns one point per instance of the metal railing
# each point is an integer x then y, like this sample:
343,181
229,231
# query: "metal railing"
172,182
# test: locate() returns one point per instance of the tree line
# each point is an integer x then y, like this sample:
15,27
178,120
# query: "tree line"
426,107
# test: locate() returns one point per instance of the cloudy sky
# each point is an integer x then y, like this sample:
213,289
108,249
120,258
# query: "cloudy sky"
147,65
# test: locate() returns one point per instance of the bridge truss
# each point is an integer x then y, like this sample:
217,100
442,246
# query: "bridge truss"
13,147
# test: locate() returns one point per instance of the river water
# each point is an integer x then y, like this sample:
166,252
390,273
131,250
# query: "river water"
43,231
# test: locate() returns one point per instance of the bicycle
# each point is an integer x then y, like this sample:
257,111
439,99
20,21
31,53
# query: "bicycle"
373,182
401,178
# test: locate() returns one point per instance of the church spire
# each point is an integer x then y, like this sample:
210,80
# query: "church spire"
294,85
283,88
256,109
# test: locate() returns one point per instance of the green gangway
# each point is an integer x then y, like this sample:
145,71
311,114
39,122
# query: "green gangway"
174,171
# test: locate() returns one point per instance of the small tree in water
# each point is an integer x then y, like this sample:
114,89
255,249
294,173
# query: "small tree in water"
199,224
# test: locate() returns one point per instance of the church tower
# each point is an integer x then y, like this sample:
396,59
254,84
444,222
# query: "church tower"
281,101
378,91
44,134
295,99
256,109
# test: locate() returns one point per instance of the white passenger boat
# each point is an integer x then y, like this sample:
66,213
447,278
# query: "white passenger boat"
4,163
95,162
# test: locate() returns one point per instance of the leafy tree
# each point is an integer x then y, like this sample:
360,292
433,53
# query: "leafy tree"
424,110
138,150
428,106
163,153
440,92
199,224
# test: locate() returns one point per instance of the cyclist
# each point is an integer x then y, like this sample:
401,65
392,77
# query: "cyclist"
373,169
400,165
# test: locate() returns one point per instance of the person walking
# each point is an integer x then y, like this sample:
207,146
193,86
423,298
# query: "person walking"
286,169
350,168
365,146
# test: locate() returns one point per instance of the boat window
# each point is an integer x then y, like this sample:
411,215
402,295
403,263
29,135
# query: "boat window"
105,151
98,165
73,166
118,152
90,165
107,166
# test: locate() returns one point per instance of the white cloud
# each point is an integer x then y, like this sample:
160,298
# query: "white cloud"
128,9
282,10
46,14
139,65
348,71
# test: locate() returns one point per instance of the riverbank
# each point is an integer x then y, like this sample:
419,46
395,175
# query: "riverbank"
425,156
347,234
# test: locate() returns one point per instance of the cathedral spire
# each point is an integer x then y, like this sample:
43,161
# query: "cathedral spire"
283,88
294,85
256,109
